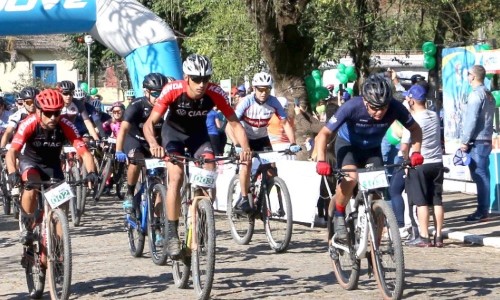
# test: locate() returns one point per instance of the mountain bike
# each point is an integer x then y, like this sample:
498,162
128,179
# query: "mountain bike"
372,231
109,169
270,199
74,171
148,218
51,246
196,225
10,195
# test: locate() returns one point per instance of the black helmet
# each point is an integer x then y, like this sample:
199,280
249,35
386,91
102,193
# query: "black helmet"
170,79
154,81
66,86
28,93
377,91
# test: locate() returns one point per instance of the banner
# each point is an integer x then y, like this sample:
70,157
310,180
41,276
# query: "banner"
490,60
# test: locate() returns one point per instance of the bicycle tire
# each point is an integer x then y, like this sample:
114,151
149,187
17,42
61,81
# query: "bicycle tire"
388,242
156,225
136,238
104,176
119,179
6,205
15,207
241,226
77,191
34,271
59,263
5,194
203,257
346,266
181,268
83,198
278,211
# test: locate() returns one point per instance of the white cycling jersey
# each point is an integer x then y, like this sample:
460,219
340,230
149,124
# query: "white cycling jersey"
17,117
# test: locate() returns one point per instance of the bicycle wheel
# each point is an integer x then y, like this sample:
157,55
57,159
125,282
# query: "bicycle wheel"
34,271
105,171
119,179
346,266
181,268
157,216
136,238
83,199
388,260
58,255
74,175
203,256
277,215
242,226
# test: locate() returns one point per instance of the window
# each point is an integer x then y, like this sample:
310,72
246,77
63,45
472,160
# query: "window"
45,74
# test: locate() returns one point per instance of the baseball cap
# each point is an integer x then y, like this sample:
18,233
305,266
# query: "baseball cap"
416,92
461,158
415,78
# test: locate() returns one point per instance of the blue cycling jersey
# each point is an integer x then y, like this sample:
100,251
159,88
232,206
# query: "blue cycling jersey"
356,126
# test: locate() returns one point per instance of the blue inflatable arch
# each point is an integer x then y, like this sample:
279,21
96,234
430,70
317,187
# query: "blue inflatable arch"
128,28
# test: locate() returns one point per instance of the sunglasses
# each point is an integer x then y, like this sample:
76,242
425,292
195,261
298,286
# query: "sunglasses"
50,114
200,79
116,111
28,102
155,94
20,102
263,89
67,93
377,108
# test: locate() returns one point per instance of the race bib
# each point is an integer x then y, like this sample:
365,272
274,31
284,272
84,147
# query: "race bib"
154,163
68,149
372,180
271,157
111,140
58,195
202,177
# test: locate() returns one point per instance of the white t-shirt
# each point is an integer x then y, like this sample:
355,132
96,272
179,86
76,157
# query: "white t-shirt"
431,136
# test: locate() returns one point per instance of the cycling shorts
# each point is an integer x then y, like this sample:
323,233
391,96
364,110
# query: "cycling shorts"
29,168
348,154
261,144
135,149
197,144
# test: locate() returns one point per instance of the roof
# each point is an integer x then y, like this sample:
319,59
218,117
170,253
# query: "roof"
37,42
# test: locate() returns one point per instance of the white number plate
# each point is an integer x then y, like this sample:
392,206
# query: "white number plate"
111,140
58,195
372,180
154,163
202,177
67,149
271,157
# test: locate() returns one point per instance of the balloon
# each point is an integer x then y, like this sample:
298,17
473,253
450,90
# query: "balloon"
429,62
350,71
310,83
336,89
496,95
93,91
84,86
353,77
429,48
342,78
489,76
316,74
391,137
341,68
485,47
322,93
350,91
317,82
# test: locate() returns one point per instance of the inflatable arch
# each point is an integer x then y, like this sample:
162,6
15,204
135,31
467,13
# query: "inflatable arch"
128,28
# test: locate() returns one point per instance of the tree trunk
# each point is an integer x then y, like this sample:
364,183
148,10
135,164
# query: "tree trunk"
283,47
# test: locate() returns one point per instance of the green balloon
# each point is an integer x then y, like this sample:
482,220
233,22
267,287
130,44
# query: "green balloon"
485,47
353,77
350,91
496,95
342,78
316,74
336,89
84,86
490,76
391,138
429,48
93,91
429,62
322,93
341,68
310,83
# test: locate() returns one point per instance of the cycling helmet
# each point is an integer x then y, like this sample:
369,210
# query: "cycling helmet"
96,104
154,81
197,65
79,94
66,86
49,100
377,91
130,93
170,79
262,79
28,93
118,104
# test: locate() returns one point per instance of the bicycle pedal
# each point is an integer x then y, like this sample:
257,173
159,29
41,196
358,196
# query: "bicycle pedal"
333,253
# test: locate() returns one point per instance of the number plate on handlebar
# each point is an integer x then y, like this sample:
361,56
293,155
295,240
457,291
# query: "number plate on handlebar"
111,140
68,149
202,177
58,195
154,163
372,180
271,157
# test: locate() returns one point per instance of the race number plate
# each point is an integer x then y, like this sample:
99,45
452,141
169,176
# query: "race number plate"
154,163
372,180
58,195
69,149
271,157
111,140
202,177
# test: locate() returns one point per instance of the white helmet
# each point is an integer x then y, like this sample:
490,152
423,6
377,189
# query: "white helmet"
262,79
79,94
130,93
197,65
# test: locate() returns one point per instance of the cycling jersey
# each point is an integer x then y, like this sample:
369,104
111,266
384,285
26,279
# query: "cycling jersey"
136,115
255,117
4,121
77,114
43,146
356,126
186,115
17,117
112,127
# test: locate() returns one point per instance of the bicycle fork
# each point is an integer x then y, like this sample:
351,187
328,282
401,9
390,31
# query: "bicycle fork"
142,223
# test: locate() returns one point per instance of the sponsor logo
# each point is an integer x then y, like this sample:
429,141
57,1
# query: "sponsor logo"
25,124
217,89
181,112
29,5
197,113
71,125
171,86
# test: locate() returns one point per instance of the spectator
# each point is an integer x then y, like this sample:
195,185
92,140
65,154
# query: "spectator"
424,184
214,127
476,138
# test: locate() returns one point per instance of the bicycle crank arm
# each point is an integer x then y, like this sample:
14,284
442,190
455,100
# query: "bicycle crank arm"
339,246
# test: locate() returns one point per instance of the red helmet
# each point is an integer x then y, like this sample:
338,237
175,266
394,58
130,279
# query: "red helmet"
49,100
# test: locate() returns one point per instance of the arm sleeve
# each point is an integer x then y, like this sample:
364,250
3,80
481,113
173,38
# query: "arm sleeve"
71,133
338,119
280,111
167,96
220,99
25,130
242,106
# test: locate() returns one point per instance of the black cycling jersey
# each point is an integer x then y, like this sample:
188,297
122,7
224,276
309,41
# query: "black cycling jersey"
136,115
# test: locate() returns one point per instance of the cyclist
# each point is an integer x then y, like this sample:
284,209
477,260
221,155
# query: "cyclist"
131,143
98,117
361,124
26,96
75,110
4,113
112,126
188,102
130,95
255,111
42,135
